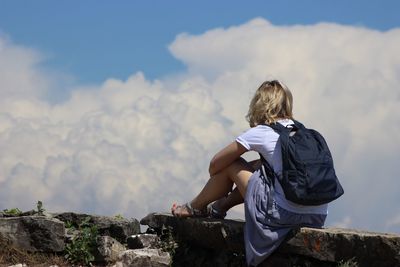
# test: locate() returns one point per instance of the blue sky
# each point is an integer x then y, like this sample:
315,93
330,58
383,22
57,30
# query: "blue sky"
93,40
125,102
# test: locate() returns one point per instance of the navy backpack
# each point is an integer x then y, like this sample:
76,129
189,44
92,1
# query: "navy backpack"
308,175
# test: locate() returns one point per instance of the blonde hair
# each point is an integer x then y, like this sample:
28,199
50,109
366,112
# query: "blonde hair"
271,102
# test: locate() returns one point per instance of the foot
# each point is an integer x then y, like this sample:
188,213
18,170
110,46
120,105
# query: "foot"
187,210
216,212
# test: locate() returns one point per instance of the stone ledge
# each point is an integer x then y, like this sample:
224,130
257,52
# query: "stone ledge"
118,228
334,245
205,232
34,233
327,245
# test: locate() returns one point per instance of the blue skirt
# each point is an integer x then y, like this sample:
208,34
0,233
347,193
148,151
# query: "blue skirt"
267,224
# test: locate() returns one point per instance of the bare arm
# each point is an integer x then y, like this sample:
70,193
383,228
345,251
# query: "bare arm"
225,157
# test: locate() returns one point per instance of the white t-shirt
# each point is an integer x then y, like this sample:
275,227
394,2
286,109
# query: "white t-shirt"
263,139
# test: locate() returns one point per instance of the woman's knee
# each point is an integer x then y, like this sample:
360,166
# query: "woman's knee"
241,164
239,168
240,172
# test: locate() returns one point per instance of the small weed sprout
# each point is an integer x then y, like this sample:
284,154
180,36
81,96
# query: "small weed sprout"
349,263
69,225
119,217
12,212
40,209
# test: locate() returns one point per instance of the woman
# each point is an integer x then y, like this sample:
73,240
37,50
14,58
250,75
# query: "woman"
270,217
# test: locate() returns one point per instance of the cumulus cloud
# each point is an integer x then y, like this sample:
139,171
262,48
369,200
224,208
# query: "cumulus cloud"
344,223
19,75
127,147
135,146
393,222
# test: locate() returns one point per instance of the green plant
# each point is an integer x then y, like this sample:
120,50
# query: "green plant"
81,249
69,225
40,209
349,263
12,212
119,217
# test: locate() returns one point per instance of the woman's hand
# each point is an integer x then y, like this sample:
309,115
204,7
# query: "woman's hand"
225,157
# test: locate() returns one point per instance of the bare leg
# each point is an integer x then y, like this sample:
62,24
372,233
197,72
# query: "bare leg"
225,203
220,184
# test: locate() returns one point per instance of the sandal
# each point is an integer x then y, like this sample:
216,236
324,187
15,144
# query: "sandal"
216,214
191,212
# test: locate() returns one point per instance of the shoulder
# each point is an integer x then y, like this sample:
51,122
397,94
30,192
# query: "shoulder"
260,128
257,134
259,138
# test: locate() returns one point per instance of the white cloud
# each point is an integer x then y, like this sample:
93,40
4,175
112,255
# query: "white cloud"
135,146
126,147
19,74
343,223
393,223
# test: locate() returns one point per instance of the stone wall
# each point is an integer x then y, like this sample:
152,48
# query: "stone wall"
307,247
192,242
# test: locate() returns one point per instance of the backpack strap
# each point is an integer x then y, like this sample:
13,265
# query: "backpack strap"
268,175
298,125
279,128
284,135
267,169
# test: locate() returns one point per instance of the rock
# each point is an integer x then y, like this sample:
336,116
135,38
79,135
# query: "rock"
145,257
210,233
143,241
34,233
108,249
29,213
290,260
318,246
117,228
334,245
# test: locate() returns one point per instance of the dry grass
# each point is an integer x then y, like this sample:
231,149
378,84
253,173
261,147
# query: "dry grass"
10,255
